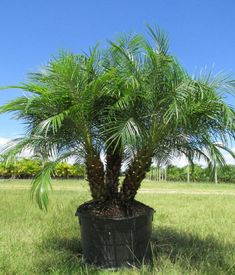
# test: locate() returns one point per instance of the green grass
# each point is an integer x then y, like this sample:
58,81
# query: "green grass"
193,233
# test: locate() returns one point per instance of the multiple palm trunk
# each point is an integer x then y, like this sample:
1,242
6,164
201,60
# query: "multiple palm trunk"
104,181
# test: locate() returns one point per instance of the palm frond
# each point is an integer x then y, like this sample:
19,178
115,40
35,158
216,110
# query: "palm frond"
41,184
160,38
55,122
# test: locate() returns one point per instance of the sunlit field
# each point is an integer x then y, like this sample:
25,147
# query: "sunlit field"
193,230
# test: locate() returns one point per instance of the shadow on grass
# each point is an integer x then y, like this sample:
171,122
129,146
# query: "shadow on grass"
192,254
68,245
60,254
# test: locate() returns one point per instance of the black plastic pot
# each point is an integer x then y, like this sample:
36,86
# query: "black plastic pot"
116,242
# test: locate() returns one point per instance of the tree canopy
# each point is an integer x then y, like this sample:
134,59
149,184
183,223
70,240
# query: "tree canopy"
130,102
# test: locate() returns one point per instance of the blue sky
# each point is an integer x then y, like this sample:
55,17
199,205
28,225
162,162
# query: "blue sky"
201,33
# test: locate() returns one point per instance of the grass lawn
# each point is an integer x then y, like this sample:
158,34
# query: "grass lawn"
193,232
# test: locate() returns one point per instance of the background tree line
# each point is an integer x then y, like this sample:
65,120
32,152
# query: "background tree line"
28,168
194,173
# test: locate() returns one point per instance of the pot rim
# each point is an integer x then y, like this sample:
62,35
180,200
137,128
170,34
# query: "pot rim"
150,211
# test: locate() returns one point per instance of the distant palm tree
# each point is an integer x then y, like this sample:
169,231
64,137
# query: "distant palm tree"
131,102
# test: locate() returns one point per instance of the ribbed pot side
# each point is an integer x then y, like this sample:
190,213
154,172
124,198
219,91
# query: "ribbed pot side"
115,242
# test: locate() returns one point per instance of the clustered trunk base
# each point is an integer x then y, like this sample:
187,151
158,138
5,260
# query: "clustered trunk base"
112,242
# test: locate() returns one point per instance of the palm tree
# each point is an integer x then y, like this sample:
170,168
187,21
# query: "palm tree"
131,103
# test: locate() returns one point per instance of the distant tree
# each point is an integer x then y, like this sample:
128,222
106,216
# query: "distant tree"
227,173
27,168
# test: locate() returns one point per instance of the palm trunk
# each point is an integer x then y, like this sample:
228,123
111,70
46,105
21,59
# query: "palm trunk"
95,176
216,176
135,175
113,168
188,173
